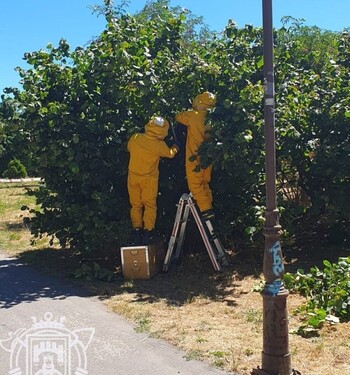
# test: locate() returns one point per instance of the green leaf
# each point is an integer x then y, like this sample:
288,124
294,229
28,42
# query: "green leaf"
75,138
74,168
260,62
315,322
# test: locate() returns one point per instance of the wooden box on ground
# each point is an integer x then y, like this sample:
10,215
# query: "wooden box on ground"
142,262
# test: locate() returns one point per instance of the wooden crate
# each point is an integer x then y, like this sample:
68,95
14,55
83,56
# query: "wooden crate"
142,262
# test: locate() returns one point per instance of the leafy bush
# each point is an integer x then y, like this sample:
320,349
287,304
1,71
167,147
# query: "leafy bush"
78,108
14,139
327,292
15,169
93,272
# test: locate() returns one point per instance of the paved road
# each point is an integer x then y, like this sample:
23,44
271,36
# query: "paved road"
91,339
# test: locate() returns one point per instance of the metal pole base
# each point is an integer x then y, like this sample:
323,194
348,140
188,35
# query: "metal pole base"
259,371
280,362
275,356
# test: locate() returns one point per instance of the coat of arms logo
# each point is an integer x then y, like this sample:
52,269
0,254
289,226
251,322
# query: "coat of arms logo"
48,348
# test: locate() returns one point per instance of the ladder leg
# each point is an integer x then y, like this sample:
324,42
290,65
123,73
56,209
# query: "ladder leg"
173,236
221,251
205,237
181,235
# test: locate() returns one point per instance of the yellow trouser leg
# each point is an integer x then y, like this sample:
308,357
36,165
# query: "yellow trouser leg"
136,211
143,200
149,198
198,183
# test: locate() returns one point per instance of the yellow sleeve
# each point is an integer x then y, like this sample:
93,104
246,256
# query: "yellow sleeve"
183,118
167,152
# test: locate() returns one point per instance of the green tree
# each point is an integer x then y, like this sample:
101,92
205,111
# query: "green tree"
14,139
79,108
312,127
15,169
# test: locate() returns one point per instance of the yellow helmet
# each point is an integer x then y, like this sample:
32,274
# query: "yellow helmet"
158,127
204,101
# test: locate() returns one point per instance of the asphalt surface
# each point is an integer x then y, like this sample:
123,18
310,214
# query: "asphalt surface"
95,340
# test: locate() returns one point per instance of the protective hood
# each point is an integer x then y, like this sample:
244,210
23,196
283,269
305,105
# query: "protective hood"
157,127
204,101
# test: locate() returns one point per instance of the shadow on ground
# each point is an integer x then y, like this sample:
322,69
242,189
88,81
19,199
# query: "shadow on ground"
22,284
193,277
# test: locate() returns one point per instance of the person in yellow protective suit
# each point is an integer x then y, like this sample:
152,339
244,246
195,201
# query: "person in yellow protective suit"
198,179
146,149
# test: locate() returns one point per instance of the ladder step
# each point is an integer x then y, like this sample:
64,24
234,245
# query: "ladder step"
212,243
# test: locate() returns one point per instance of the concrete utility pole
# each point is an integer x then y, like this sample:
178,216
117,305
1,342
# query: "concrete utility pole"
275,355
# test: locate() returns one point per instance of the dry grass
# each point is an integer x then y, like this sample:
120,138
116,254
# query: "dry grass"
213,317
221,322
14,233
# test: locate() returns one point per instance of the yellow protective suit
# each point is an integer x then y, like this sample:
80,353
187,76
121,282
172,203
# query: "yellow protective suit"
146,149
197,132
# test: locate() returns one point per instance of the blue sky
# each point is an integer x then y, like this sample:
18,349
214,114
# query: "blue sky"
29,25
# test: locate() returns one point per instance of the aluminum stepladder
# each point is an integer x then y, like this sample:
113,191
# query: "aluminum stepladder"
211,241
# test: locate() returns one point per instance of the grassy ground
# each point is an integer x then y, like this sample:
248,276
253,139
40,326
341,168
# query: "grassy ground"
14,234
213,317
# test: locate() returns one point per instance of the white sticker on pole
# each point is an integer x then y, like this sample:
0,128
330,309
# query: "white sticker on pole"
269,101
